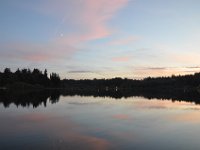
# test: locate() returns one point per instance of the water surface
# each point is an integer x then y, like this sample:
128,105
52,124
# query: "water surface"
74,122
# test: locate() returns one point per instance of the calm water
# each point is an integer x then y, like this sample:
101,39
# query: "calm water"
100,123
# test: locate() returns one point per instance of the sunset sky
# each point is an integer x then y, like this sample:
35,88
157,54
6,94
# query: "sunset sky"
101,38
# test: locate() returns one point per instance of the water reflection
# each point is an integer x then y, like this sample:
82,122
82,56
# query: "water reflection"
75,122
40,97
28,98
46,131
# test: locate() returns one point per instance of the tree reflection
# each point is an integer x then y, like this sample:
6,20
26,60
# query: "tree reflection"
27,98
170,94
35,98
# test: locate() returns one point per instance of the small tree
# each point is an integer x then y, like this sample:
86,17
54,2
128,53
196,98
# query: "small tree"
55,79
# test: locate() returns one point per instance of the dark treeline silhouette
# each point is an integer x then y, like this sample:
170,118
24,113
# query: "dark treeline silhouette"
185,87
26,78
185,83
37,78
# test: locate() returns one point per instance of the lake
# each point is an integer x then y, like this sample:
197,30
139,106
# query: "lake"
75,122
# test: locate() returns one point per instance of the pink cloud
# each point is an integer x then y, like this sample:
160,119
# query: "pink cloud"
186,58
37,57
89,17
96,14
121,59
143,72
36,52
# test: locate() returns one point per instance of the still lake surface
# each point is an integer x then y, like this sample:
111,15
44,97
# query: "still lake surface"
75,122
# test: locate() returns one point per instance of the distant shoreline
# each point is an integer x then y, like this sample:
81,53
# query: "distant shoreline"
36,79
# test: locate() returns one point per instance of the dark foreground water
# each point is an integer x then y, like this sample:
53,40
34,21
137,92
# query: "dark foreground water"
74,122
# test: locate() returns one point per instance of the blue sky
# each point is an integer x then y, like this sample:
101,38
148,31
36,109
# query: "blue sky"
100,38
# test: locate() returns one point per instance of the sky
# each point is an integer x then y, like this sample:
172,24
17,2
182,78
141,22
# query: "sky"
86,39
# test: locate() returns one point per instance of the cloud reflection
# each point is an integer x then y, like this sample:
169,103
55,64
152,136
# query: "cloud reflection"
189,117
121,117
56,132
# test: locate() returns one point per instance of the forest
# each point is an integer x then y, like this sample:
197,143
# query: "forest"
27,78
41,84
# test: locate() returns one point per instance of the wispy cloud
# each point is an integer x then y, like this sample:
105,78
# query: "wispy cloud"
193,67
35,52
155,68
89,17
80,71
186,58
94,18
182,55
164,71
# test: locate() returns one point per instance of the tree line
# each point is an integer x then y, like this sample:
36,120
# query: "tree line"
186,82
36,78
28,78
